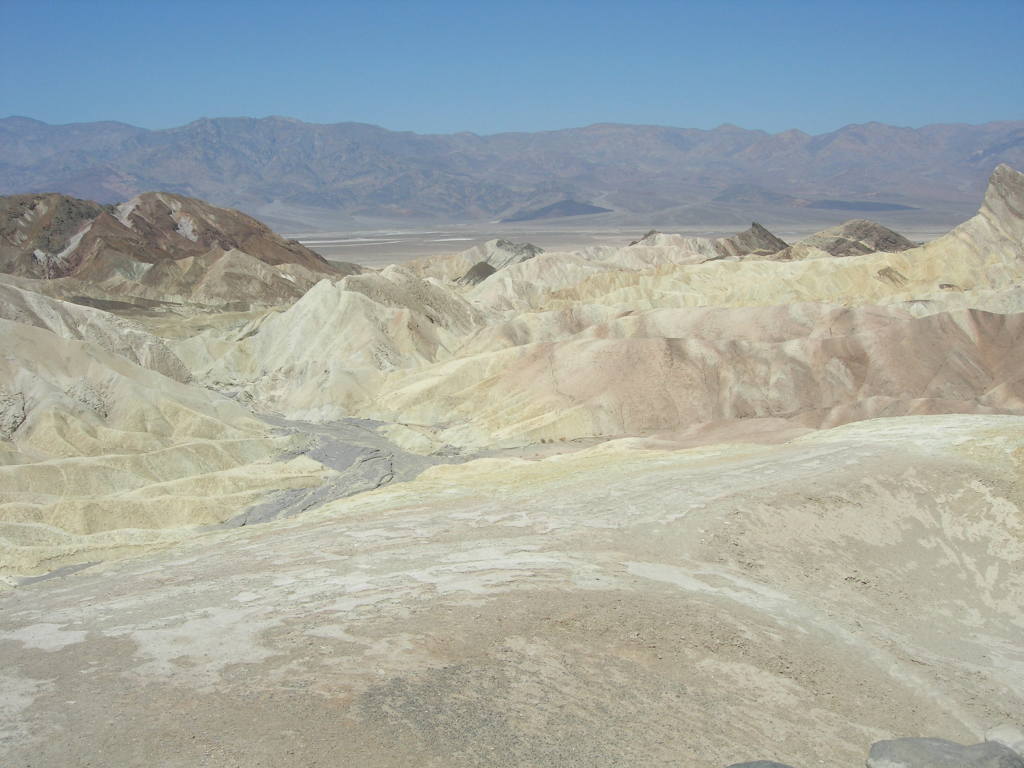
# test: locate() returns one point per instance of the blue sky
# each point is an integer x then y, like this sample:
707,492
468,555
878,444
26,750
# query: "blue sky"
490,67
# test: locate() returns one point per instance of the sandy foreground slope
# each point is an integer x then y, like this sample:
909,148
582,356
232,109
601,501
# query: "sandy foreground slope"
615,606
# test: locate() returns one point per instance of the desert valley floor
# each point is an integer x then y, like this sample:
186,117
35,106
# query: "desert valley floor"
687,501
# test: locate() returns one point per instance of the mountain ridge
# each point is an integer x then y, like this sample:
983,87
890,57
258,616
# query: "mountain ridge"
153,246
351,169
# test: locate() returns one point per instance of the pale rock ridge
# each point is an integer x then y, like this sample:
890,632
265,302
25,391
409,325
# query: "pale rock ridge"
982,254
475,265
397,287
697,249
496,254
851,238
104,393
556,271
1003,207
335,344
601,386
604,342
72,321
755,241
501,253
228,278
99,455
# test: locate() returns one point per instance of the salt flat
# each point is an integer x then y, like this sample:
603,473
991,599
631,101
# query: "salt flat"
376,248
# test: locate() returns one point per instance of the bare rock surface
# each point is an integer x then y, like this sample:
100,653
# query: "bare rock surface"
100,456
755,241
851,238
495,254
640,505
939,753
620,604
156,247
72,321
477,273
1009,736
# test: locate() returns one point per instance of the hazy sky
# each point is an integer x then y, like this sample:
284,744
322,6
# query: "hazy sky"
489,67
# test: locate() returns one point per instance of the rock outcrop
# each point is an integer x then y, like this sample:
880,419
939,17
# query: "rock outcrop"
496,254
477,274
155,247
108,331
661,336
100,456
1009,736
755,241
939,753
37,233
851,238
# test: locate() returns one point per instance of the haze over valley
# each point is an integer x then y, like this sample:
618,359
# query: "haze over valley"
300,176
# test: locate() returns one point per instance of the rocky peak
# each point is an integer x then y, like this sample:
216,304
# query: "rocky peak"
184,226
1004,202
523,250
855,237
873,235
647,239
756,240
502,253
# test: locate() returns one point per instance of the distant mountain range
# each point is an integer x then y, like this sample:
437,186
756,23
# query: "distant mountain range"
289,171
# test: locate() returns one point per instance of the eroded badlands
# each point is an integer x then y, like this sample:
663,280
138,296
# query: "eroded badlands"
682,502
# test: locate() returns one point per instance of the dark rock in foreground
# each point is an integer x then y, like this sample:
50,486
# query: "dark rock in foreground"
1008,736
939,753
